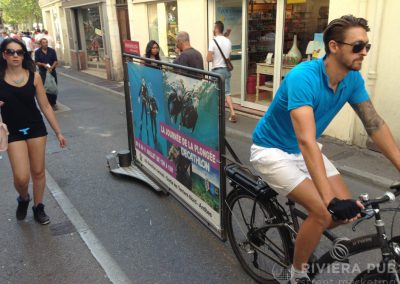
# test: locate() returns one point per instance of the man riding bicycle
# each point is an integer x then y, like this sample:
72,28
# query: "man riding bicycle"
285,149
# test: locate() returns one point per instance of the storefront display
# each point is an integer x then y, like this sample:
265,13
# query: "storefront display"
302,20
163,26
93,36
261,33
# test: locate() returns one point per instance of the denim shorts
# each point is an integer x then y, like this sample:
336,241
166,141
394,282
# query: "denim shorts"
226,74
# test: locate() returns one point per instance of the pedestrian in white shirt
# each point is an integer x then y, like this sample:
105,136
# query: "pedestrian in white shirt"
28,43
218,63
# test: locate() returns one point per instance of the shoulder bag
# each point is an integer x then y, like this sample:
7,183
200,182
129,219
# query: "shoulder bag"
227,60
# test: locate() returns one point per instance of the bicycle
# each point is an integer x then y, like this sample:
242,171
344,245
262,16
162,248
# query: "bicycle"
262,233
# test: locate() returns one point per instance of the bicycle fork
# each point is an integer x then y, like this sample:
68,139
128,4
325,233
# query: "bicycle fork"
388,259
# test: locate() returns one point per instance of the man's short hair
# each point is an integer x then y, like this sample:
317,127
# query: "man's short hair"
337,28
182,37
42,39
220,26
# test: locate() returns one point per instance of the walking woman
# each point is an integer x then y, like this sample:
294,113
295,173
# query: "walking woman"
19,86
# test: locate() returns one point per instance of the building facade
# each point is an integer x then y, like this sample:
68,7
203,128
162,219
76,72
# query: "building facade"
89,33
268,38
260,27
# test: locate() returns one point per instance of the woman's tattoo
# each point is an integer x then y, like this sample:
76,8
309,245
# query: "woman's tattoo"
369,117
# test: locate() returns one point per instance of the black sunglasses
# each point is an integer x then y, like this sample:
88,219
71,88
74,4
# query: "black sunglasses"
358,46
10,51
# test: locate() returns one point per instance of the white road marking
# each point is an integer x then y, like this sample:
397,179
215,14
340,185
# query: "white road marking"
111,268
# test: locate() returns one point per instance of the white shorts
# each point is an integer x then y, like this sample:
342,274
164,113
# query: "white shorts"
283,171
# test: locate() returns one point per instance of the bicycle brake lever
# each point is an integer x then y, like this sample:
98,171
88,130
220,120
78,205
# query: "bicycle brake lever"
367,214
356,223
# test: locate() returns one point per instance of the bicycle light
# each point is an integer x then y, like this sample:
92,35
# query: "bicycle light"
364,197
391,195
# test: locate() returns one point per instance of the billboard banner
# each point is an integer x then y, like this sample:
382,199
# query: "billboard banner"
177,136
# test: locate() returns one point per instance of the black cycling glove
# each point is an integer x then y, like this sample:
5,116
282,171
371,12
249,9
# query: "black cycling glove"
343,209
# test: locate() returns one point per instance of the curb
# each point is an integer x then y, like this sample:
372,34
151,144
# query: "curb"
365,176
91,84
103,258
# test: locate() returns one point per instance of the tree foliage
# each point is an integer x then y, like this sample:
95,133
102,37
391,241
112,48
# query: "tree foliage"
21,12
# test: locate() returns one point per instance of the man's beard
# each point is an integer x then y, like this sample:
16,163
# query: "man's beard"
353,66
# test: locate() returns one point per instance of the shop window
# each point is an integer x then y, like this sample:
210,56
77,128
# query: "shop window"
121,2
261,34
93,35
305,22
163,26
230,12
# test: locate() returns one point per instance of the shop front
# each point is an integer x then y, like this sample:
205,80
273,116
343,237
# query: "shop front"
94,38
268,39
54,22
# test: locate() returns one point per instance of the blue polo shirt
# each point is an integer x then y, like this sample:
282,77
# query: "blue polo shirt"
307,84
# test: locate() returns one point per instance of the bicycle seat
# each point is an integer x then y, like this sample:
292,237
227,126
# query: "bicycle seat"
245,179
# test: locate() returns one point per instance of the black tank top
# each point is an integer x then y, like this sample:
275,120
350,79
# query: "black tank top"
20,110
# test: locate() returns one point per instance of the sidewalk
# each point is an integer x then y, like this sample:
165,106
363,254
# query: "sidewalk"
33,253
364,164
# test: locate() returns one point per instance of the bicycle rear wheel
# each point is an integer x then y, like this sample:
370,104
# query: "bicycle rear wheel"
264,250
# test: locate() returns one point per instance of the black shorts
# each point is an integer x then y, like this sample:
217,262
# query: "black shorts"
35,131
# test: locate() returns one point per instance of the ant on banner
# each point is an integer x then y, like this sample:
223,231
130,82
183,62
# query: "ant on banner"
185,103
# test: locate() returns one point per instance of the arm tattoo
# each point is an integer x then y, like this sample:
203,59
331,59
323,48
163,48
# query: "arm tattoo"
369,117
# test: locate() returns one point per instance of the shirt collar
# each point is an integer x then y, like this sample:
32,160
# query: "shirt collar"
342,83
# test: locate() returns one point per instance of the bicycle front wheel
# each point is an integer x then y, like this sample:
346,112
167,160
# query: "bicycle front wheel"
263,249
376,277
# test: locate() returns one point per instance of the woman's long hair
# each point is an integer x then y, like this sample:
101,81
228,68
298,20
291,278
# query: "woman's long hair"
149,47
27,63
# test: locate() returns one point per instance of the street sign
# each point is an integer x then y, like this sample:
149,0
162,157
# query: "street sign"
131,47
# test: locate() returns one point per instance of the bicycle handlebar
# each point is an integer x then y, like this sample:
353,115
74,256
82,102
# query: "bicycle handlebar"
369,213
388,196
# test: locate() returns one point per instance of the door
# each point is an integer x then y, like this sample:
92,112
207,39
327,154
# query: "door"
123,23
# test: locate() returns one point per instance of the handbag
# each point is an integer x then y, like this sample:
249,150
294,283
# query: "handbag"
227,60
3,135
50,84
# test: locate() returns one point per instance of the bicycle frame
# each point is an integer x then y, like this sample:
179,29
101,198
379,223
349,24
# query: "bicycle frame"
350,247
342,248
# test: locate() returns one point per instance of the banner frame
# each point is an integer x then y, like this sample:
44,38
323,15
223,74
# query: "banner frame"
219,232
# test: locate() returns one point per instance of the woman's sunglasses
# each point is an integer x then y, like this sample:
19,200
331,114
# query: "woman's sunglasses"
358,46
10,51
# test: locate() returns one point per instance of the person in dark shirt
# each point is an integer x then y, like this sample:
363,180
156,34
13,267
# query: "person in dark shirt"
22,102
188,55
46,60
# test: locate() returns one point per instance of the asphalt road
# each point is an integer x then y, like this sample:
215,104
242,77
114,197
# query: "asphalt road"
150,236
